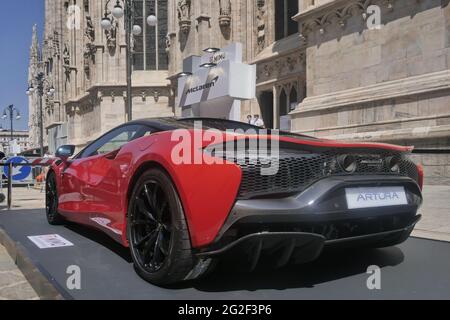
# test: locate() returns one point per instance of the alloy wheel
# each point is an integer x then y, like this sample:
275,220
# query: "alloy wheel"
51,197
151,227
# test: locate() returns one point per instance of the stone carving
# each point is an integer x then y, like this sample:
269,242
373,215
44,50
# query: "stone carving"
184,15
66,55
261,24
282,66
55,44
78,110
225,13
156,96
168,43
90,30
267,70
100,96
88,55
132,43
34,50
338,14
66,62
291,62
89,49
47,48
111,35
302,57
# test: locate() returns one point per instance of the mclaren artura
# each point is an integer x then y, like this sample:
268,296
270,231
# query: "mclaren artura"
179,217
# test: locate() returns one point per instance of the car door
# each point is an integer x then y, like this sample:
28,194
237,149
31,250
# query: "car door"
92,180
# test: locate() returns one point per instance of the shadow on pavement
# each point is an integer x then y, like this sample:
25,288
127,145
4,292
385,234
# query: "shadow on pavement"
102,239
332,265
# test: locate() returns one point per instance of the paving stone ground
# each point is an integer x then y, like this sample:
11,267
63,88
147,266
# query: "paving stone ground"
435,223
13,285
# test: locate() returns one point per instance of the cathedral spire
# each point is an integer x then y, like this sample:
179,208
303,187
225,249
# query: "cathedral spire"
34,50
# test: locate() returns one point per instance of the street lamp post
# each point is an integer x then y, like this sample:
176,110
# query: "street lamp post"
12,111
130,29
40,81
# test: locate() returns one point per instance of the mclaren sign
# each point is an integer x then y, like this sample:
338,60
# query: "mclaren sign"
222,86
204,86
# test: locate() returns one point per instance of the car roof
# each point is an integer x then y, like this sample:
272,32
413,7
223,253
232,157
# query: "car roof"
159,123
171,123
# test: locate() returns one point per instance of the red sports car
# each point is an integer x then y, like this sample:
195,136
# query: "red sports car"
180,217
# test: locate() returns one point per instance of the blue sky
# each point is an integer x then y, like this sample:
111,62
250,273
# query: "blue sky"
16,21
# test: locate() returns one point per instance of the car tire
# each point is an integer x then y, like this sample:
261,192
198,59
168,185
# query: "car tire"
51,201
156,218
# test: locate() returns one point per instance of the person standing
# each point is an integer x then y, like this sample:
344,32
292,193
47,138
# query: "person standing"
258,121
249,119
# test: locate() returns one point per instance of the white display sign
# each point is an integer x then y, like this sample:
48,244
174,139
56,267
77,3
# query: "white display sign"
358,198
227,80
216,91
50,241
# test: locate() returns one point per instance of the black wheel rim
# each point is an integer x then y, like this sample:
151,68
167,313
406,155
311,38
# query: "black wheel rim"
151,227
51,197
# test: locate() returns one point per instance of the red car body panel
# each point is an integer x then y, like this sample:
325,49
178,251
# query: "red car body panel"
95,191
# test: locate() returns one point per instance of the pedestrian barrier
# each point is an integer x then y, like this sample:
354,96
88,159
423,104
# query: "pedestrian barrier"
33,172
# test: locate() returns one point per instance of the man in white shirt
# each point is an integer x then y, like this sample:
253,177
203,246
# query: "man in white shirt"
257,121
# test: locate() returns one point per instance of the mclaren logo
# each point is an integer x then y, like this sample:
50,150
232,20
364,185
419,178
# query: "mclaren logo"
372,162
203,86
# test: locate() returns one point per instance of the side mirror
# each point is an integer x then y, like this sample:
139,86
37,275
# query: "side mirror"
65,152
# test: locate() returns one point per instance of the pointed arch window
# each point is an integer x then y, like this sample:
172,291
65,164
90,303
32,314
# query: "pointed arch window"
284,24
150,45
293,99
283,103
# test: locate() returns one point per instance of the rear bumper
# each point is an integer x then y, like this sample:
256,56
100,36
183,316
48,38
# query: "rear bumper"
302,225
279,248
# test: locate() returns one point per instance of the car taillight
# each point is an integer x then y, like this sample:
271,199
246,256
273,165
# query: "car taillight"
420,171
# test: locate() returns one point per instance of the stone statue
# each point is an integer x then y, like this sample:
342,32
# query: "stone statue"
184,15
88,55
168,43
184,10
111,35
66,61
55,44
261,21
225,13
225,7
66,55
132,43
90,30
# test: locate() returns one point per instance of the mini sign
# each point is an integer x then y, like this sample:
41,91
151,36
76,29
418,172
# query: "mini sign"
50,241
218,57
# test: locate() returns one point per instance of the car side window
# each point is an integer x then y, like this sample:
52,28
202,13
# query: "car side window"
117,142
147,131
112,141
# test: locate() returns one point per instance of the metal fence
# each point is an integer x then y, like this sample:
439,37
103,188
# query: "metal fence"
37,169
